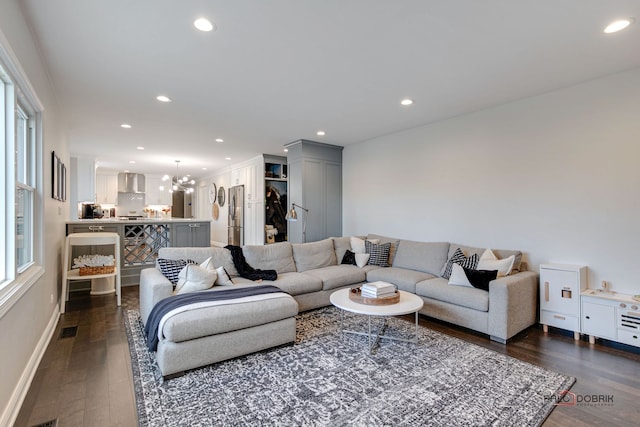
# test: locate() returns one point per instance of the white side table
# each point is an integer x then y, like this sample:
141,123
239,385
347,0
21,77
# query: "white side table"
560,288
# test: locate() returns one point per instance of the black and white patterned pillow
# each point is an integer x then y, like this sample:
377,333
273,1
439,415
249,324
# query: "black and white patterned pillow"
459,258
378,254
170,268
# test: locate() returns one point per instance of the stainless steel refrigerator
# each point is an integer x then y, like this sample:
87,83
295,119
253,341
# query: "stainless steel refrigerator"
236,215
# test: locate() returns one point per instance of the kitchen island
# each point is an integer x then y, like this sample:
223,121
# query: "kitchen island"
140,239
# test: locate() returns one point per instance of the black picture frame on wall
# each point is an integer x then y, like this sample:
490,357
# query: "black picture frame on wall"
58,178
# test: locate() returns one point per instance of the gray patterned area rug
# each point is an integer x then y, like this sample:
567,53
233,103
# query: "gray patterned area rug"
327,379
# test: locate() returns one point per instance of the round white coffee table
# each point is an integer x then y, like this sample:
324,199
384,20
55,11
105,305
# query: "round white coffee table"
409,303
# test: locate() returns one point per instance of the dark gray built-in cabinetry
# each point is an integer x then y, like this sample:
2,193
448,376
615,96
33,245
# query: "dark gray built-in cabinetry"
315,182
191,234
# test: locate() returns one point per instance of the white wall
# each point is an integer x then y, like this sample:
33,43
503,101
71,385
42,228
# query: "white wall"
25,328
218,227
557,176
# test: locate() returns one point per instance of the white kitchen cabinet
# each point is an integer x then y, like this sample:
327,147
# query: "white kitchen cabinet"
153,194
107,188
560,288
83,177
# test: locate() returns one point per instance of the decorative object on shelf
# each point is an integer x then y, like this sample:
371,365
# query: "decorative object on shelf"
292,215
221,197
58,178
94,264
636,297
213,193
177,183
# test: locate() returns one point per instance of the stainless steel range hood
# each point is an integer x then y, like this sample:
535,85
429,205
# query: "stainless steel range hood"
131,183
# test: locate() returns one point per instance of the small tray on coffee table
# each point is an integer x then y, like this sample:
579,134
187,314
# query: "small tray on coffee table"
356,295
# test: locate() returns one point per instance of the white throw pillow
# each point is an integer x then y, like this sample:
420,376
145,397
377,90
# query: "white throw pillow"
357,244
207,264
489,261
194,278
362,259
458,276
223,277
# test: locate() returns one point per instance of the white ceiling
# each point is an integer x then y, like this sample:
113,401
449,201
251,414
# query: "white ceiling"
279,70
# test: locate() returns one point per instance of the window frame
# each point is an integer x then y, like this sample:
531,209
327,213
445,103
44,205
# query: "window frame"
17,93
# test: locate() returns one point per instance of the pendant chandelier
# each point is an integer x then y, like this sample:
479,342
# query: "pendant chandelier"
178,183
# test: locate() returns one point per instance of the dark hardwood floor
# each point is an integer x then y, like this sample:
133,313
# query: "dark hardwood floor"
86,380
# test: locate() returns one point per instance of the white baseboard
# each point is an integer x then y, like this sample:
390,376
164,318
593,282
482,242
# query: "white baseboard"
20,392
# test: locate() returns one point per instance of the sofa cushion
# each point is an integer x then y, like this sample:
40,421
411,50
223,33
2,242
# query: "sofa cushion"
500,253
403,278
295,283
349,258
428,257
378,253
309,256
336,276
439,289
228,317
382,240
220,257
459,258
489,261
195,278
276,256
171,268
341,245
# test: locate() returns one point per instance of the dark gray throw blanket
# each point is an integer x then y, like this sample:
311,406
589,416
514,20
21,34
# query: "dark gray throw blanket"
170,303
245,270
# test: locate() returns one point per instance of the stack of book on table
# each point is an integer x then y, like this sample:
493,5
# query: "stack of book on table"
377,290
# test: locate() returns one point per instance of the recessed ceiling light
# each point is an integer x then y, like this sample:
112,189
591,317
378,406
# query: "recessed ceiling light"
406,102
140,148
125,125
321,133
203,24
227,158
132,162
618,25
219,140
163,98
286,150
126,170
204,169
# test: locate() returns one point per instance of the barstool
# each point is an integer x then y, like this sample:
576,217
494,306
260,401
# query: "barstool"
89,239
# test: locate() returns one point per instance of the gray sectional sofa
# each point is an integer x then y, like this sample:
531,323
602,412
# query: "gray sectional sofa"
310,272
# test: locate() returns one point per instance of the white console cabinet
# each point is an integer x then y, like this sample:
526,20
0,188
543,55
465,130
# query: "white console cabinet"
610,315
560,288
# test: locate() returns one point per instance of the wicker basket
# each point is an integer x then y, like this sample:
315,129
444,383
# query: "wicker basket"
105,269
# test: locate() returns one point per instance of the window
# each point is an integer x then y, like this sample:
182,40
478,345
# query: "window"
25,189
21,181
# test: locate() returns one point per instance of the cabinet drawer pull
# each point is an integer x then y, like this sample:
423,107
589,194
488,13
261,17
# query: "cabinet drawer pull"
587,317
96,228
546,291
557,316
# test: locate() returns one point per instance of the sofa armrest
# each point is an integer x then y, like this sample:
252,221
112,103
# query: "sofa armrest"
513,302
154,286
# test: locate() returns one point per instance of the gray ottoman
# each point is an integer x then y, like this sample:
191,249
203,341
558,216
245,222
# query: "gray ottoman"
208,335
